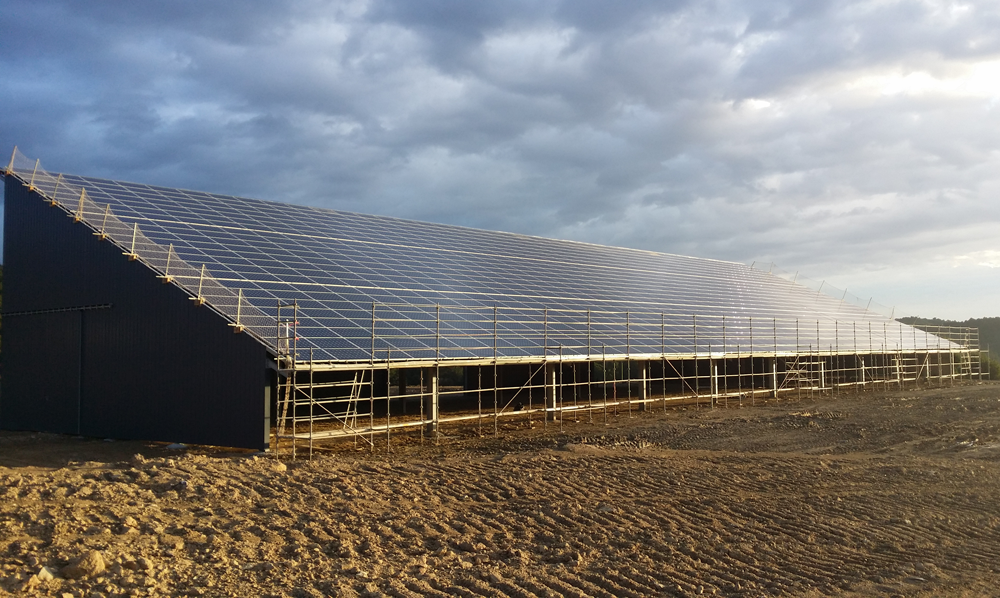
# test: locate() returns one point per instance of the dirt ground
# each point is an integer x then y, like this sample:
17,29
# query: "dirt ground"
891,493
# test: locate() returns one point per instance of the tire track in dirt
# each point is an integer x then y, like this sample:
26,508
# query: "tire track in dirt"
900,503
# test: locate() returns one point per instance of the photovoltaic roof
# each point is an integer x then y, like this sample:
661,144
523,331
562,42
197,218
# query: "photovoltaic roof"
367,287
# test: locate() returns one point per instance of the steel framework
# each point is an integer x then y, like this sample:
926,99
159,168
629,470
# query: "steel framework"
532,364
555,382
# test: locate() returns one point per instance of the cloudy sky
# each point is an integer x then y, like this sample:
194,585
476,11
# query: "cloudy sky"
856,143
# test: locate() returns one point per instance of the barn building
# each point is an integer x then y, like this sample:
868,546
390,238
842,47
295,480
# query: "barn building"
141,312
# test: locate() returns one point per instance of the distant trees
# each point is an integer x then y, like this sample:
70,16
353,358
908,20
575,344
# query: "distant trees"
989,337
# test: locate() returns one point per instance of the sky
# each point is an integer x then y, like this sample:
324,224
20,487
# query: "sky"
854,146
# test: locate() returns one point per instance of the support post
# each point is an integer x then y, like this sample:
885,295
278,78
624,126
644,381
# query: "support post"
715,381
550,391
431,407
644,393
774,377
697,381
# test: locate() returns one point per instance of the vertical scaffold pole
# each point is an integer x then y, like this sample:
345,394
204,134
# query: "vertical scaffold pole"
697,380
292,399
590,372
774,360
818,350
819,366
902,378
574,385
604,379
644,394
774,376
435,404
371,411
277,361
590,391
725,377
836,356
423,409
496,377
312,404
753,386
614,386
531,395
927,354
739,374
628,364
663,359
559,388
550,393
388,395
857,370
885,356
798,352
628,338
871,351
715,377
713,382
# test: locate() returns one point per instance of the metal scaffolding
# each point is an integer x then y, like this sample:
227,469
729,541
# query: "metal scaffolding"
524,363
555,382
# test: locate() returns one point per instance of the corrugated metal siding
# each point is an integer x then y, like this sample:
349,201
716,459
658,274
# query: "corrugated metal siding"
46,347
153,366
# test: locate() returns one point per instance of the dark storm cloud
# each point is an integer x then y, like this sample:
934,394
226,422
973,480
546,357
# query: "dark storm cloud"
849,140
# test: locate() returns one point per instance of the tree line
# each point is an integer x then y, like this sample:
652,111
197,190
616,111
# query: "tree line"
989,337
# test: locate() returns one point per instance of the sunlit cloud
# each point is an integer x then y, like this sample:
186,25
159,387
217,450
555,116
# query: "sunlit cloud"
976,80
988,258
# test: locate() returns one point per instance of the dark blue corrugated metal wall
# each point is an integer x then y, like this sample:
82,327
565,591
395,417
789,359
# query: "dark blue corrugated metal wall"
51,363
152,366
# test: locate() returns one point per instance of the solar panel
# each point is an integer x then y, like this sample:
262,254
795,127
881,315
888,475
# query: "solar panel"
370,286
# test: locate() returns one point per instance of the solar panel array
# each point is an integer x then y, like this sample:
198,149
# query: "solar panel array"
371,287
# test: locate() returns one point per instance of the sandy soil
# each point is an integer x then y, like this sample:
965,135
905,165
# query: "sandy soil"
892,494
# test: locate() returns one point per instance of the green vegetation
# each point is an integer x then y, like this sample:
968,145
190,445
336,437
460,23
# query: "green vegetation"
989,337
